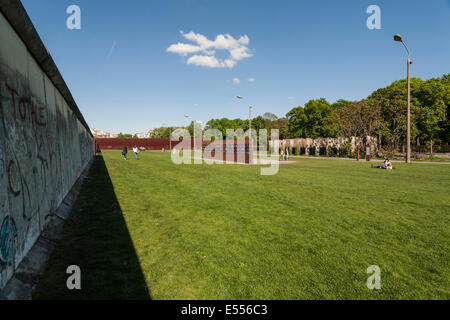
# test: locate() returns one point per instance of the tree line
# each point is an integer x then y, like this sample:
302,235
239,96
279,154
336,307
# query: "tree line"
382,114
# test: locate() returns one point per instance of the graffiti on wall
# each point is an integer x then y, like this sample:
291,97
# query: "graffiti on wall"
43,148
8,237
26,108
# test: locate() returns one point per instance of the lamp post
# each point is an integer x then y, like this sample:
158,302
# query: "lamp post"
193,131
170,134
399,38
249,130
187,118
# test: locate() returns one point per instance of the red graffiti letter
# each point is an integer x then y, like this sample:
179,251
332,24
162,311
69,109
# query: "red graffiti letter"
13,93
22,109
41,120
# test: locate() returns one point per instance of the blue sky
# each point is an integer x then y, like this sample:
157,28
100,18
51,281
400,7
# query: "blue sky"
124,79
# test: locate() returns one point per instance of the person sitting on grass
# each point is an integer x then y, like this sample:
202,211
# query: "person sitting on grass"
386,165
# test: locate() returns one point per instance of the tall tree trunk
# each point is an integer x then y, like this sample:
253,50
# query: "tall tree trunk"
431,148
379,141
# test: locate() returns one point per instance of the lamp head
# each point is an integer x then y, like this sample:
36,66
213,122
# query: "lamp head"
398,37
239,97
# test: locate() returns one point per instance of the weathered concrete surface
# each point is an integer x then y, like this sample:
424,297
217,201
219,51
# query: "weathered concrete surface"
25,278
45,143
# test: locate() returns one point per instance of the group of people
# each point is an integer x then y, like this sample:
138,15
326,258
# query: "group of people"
125,152
284,154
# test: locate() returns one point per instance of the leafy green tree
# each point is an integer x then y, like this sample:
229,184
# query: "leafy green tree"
297,122
311,121
124,135
162,132
433,96
270,116
429,109
382,114
357,119
225,123
197,126
282,124
340,104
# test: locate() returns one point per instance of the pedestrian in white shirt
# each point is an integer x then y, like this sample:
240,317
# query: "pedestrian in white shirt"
135,150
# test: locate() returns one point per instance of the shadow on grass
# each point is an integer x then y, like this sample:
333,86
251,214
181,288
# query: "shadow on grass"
95,238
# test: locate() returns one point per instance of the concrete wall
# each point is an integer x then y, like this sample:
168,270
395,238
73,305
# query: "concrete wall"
44,144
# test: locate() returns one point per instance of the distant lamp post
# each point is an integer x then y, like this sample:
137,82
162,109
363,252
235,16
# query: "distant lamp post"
170,134
398,37
249,130
187,117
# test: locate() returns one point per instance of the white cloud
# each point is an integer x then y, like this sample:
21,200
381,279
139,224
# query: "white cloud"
230,63
236,80
200,39
205,61
237,49
251,79
183,48
240,53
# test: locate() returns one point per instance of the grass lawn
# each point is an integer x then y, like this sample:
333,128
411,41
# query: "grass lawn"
152,229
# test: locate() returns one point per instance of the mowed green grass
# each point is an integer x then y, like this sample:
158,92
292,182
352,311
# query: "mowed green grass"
309,232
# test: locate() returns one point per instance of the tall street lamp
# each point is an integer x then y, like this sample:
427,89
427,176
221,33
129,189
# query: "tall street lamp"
170,136
398,37
193,129
249,130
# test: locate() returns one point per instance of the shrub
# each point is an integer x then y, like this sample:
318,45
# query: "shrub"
333,152
346,150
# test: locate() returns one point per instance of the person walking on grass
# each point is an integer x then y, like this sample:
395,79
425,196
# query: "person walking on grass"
287,154
124,152
135,150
